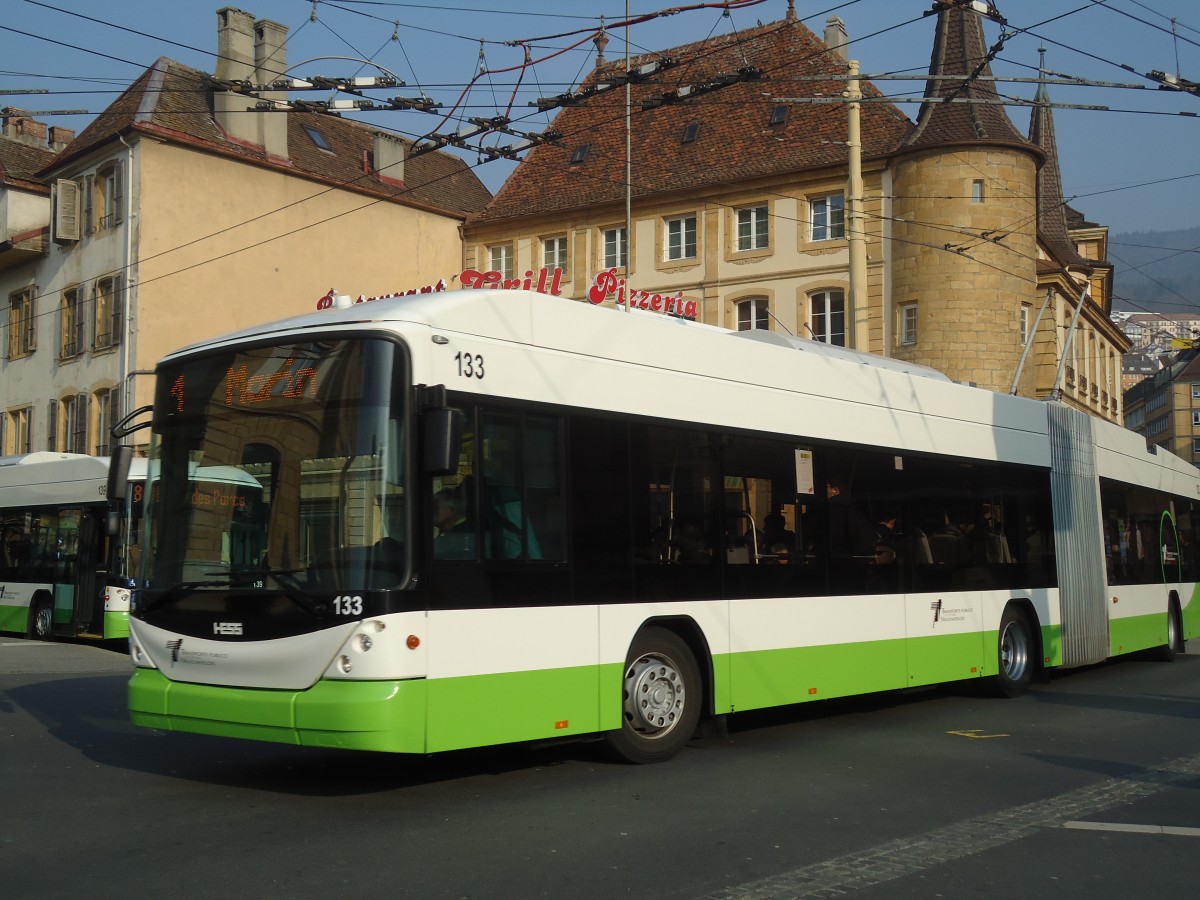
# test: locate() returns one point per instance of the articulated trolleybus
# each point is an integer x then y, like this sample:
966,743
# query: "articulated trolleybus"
62,564
496,516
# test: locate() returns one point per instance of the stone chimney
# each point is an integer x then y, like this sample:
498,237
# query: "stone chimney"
389,157
270,65
20,127
60,137
835,36
235,62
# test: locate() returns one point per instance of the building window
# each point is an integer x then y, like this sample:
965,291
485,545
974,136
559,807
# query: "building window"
1196,448
977,190
691,131
107,412
829,317
1195,419
18,431
908,324
554,253
681,238
1024,324
22,323
828,218
616,249
753,314
580,155
501,259
1196,391
74,419
71,324
779,115
752,229
108,310
109,187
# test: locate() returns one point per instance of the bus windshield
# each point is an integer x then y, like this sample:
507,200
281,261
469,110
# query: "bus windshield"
279,469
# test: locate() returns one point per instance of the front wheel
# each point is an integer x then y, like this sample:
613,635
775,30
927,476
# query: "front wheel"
1014,655
41,620
661,697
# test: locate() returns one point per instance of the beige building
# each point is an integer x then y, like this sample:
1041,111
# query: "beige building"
739,204
179,214
1165,407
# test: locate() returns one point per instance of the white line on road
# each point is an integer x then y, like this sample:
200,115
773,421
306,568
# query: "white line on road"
1133,829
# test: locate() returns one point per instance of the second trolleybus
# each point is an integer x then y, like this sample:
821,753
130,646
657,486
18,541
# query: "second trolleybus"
490,517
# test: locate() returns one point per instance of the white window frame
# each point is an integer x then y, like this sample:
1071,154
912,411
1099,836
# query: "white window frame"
500,259
615,247
681,238
753,228
754,314
554,252
826,310
828,217
909,323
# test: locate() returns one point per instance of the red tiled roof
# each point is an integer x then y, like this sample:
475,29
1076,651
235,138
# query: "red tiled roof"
174,102
735,141
20,163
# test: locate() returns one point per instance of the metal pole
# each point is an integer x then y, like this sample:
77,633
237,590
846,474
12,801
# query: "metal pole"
1056,392
1029,338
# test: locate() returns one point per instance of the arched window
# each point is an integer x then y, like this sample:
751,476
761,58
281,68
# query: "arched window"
752,314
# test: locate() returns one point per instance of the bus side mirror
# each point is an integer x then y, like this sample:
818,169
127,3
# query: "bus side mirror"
443,428
118,473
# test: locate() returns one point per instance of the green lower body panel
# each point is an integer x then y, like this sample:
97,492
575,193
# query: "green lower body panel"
354,715
14,618
1137,633
116,626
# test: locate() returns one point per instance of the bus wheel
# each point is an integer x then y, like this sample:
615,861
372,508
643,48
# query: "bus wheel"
41,620
661,699
1174,643
1013,655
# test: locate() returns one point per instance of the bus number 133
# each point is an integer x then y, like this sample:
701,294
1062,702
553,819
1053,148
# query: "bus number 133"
469,365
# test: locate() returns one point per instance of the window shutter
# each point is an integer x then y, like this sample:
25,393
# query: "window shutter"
119,193
114,412
31,321
52,418
66,210
3,425
80,320
88,222
118,308
79,438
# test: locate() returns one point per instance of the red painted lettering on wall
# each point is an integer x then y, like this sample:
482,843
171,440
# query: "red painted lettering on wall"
608,284
544,281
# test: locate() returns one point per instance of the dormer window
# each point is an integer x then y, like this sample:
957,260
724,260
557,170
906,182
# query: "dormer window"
779,115
691,131
580,155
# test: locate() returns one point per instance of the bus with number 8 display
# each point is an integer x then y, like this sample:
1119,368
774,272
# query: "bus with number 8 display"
485,517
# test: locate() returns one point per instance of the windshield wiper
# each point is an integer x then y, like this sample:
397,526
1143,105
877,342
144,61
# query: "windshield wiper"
286,579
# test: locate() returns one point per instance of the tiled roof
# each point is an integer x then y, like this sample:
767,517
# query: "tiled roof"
734,143
959,49
20,163
174,102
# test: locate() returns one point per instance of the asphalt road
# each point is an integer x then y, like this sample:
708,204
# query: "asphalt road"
1089,787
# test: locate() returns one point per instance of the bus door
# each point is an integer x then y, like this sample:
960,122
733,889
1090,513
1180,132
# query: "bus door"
91,570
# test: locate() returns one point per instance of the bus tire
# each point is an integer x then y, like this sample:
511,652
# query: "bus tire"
661,698
1014,654
41,619
1174,644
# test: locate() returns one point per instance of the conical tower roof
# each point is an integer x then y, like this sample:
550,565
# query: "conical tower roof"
959,70
1051,207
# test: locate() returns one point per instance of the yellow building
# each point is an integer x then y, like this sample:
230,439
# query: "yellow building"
738,202
178,214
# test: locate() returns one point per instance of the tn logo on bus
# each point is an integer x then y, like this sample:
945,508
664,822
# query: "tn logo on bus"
233,628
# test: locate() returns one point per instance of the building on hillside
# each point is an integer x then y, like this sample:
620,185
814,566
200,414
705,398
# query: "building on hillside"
1165,407
1163,329
179,213
738,203
1136,368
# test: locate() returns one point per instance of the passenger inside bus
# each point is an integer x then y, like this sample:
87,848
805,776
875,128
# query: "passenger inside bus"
456,534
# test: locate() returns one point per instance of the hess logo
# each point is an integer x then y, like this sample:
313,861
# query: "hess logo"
227,628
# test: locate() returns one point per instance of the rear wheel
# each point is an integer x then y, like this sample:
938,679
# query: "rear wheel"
1174,643
1014,654
41,619
661,698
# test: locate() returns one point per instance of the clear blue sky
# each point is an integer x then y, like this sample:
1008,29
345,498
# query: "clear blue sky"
1134,166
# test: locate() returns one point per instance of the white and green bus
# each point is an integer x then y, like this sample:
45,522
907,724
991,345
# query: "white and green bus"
61,571
497,516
